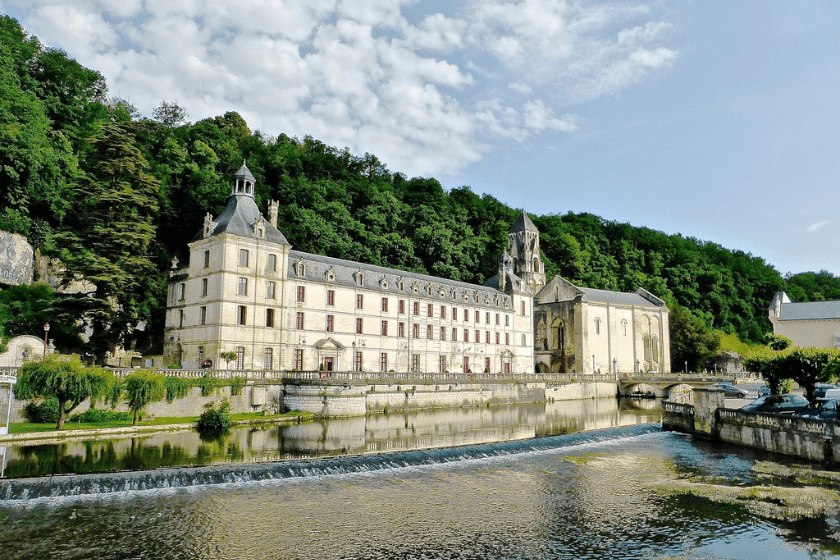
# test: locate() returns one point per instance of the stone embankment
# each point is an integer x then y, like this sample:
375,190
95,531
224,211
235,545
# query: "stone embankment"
805,438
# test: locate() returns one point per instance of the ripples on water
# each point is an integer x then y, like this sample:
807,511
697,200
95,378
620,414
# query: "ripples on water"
581,496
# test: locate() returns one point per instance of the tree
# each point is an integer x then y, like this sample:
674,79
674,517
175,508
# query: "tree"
777,341
170,114
691,340
143,387
64,378
228,357
805,366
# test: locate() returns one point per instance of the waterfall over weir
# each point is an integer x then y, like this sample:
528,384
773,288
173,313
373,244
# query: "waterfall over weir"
22,491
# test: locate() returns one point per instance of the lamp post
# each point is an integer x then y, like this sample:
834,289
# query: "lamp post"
46,330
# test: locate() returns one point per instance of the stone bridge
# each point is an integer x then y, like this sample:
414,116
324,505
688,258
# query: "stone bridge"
675,387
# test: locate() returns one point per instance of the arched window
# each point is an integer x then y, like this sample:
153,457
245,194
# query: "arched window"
624,326
654,349
597,325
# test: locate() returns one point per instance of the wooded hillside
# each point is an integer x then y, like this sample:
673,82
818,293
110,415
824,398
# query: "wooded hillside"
116,196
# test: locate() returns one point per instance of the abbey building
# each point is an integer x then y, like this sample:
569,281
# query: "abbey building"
246,291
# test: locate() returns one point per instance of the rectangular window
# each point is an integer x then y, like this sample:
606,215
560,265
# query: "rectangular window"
360,301
429,312
180,318
487,317
298,359
443,312
497,318
416,308
301,294
477,317
330,323
497,338
200,355
206,259
454,334
402,330
429,331
240,357
270,290
523,307
359,325
384,328
269,318
272,263
243,257
487,337
383,361
384,305
243,314
477,336
443,333
442,364
202,315
454,313
507,338
487,365
330,297
357,362
268,359
402,306
243,286
466,335
182,292
466,314
507,320
467,365
507,368
415,331
415,363
299,321
204,287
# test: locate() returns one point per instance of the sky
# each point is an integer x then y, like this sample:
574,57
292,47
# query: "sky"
717,120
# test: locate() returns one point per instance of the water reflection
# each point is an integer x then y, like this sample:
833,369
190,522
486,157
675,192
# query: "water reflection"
322,438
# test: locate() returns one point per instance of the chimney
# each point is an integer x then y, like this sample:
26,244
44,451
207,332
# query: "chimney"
273,209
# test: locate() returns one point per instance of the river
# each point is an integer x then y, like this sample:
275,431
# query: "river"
590,479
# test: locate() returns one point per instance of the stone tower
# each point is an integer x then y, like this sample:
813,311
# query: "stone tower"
524,249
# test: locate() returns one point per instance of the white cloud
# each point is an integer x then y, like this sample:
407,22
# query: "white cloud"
819,225
427,96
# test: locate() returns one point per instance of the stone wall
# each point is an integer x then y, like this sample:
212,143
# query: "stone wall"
17,259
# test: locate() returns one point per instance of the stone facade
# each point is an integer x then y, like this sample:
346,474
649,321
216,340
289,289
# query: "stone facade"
245,290
809,325
17,259
599,331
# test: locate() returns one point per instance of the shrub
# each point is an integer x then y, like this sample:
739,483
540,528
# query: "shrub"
176,388
45,412
114,393
208,385
215,420
236,385
95,415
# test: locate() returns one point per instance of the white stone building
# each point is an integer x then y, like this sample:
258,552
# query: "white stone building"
814,324
245,290
599,331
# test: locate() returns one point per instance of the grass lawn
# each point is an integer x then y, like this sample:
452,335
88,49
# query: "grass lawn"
28,427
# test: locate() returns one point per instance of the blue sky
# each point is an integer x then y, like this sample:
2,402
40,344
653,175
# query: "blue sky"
716,120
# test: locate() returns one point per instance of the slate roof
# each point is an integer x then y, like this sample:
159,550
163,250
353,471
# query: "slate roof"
810,311
454,292
524,223
618,298
238,218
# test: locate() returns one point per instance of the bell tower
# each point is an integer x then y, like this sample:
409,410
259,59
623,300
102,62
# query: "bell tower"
524,249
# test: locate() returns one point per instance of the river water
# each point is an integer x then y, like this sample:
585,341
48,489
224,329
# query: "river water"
591,479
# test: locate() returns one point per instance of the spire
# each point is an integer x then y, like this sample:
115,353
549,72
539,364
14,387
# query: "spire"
243,182
523,223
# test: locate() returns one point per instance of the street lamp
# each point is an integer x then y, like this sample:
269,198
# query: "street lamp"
46,330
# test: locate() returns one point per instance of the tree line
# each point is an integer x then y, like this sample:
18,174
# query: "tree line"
115,197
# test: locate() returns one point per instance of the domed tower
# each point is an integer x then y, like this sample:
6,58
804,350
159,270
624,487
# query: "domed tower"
243,182
524,249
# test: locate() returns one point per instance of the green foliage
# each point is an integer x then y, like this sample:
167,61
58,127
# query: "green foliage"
236,385
691,341
215,420
25,309
98,415
64,378
805,366
777,341
115,393
208,385
176,388
732,342
143,387
228,357
45,412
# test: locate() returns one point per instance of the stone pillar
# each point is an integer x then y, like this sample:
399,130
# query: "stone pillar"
706,403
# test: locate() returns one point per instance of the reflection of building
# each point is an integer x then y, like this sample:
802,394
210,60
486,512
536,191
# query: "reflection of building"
246,291
598,331
813,324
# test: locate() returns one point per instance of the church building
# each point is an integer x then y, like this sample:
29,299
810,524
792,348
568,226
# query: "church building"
813,324
246,291
585,330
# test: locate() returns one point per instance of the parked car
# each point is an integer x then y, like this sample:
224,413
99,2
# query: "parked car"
820,390
764,391
731,391
825,409
779,404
